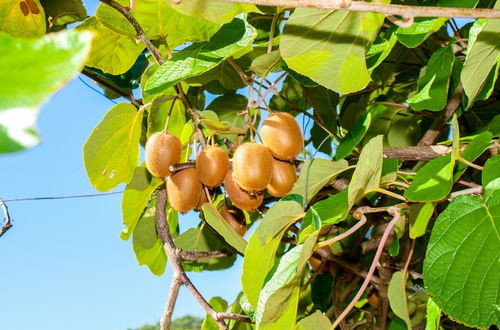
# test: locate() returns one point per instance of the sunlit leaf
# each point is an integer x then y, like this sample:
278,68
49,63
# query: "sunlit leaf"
21,19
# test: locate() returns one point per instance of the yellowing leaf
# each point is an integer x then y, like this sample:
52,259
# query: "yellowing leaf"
21,18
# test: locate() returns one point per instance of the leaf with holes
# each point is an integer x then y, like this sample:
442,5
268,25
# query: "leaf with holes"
111,153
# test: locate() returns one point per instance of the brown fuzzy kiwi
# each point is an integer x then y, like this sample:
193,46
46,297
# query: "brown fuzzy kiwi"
184,190
284,176
211,165
240,197
203,200
252,166
235,218
162,150
282,135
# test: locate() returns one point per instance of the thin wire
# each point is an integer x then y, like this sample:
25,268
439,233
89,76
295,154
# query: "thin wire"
61,197
95,89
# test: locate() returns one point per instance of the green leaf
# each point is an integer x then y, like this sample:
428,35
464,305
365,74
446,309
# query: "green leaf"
368,171
397,296
389,171
265,63
219,305
321,291
290,97
274,297
159,21
481,57
63,12
288,317
489,85
474,149
381,48
462,263
433,85
330,46
433,315
158,114
351,140
455,131
34,70
263,244
491,176
316,321
111,52
21,20
315,174
202,56
420,214
147,245
212,10
111,153
217,222
420,30
433,181
135,199
203,239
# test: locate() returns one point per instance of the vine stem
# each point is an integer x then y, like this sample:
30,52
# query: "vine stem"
376,7
347,233
396,215
268,90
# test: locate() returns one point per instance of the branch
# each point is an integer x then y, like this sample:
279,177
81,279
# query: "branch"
396,215
7,223
427,152
175,261
439,124
376,7
193,256
166,318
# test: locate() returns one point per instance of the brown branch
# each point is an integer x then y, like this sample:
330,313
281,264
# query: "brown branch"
193,255
232,316
175,261
173,293
377,7
416,153
7,222
439,124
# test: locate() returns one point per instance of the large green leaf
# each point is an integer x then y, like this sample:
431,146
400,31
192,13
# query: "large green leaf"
351,140
203,239
316,321
62,12
396,293
135,199
34,70
420,214
202,56
111,52
315,174
490,176
368,171
433,85
111,153
330,46
462,261
481,57
474,149
147,246
21,20
263,244
213,10
217,222
433,181
274,297
158,20
419,31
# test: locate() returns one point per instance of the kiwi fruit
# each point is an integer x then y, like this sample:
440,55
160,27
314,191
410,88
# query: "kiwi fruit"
235,218
203,200
284,176
211,165
162,150
252,166
282,135
184,190
241,198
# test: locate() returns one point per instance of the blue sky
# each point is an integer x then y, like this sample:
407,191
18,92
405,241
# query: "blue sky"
63,265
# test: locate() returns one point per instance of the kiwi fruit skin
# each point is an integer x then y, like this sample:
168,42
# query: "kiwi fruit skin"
240,198
252,166
162,150
235,218
283,179
211,165
184,190
282,135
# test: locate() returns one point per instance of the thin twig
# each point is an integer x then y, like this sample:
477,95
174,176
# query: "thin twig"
232,316
173,293
268,90
378,7
396,215
345,234
468,191
61,197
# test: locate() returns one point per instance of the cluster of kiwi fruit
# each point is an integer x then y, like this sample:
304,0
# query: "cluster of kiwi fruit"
255,168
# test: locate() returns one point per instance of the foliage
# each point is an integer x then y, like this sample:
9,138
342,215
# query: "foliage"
398,122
